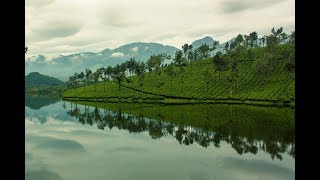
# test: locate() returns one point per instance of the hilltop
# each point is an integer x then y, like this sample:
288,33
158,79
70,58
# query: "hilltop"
35,79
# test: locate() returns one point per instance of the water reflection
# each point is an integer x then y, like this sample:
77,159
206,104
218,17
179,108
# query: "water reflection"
247,129
38,102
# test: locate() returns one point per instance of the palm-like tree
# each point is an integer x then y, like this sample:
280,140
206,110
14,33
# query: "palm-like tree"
180,62
119,75
88,76
140,70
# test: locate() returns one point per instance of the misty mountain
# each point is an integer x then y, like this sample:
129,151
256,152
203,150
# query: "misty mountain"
206,40
64,66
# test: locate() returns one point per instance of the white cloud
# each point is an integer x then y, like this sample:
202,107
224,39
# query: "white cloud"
117,54
64,27
135,49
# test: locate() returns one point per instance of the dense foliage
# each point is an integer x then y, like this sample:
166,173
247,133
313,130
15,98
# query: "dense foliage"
36,79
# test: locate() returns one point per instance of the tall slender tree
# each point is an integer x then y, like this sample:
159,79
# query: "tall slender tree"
118,74
140,71
180,62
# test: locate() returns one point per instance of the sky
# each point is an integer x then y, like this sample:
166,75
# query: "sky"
62,27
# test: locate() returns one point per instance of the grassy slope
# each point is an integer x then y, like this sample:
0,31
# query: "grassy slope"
276,85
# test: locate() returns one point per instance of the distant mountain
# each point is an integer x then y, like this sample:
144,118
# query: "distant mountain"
64,66
206,40
36,79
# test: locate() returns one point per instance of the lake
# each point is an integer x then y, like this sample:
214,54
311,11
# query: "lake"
98,141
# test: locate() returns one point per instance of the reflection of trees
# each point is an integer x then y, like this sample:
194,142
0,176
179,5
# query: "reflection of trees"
204,136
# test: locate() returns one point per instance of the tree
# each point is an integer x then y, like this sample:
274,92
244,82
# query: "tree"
118,74
204,51
239,39
131,65
226,47
292,37
81,77
246,40
186,48
237,55
196,55
283,37
263,39
108,72
208,78
253,39
220,63
180,62
140,71
157,64
274,38
171,73
187,53
88,75
95,79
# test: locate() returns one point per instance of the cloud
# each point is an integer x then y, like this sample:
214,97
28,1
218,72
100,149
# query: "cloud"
232,6
117,54
55,144
256,168
135,49
38,3
41,174
54,29
66,27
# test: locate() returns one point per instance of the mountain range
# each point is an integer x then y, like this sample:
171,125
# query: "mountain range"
64,66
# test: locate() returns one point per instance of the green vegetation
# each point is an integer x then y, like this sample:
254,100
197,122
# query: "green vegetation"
36,79
246,128
244,73
37,84
50,91
39,101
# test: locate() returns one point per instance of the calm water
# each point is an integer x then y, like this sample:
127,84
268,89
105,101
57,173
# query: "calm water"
95,141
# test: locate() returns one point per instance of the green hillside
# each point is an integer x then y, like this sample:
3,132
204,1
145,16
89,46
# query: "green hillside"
256,79
35,79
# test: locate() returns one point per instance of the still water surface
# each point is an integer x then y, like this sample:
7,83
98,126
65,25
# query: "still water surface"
99,141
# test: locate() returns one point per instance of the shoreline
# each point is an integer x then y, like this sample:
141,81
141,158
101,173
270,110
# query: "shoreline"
169,101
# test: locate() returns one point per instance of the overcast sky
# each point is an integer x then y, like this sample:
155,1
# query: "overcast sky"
63,27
